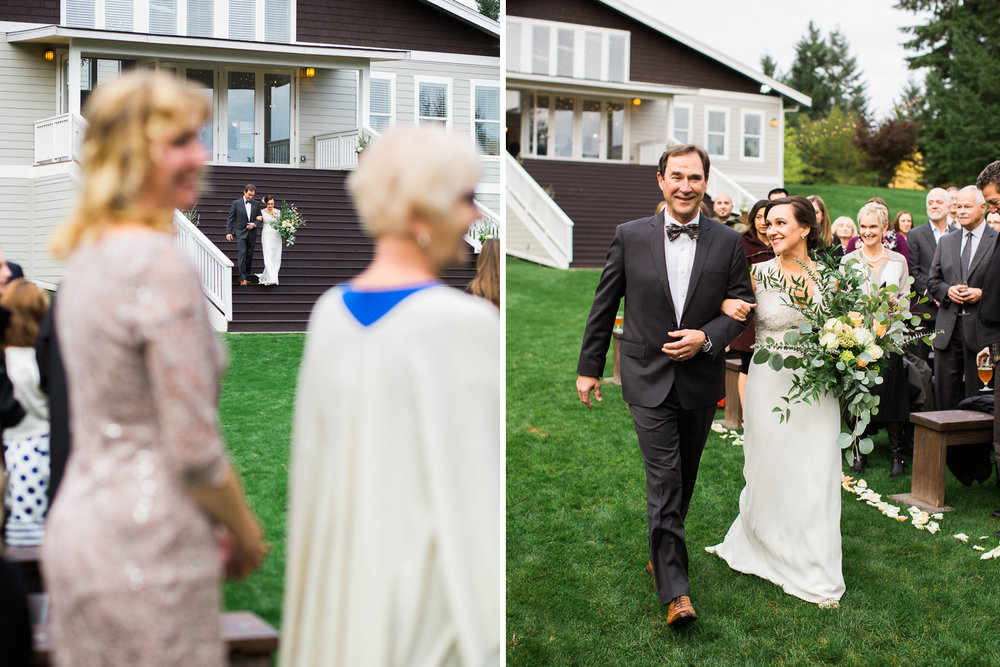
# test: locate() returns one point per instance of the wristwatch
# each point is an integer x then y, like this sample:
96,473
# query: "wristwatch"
707,347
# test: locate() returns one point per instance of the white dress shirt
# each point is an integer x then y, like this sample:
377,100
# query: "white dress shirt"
977,236
938,233
247,204
679,254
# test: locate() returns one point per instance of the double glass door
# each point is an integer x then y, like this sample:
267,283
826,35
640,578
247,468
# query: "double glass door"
258,117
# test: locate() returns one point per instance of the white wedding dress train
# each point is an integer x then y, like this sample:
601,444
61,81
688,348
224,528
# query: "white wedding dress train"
788,528
270,245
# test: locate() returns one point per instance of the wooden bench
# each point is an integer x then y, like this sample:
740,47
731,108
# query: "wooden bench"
733,418
616,357
249,638
933,433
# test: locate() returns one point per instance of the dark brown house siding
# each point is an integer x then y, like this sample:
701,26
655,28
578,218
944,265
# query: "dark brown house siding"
597,198
656,58
329,250
36,11
394,24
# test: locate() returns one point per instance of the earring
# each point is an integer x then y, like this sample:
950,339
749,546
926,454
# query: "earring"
423,239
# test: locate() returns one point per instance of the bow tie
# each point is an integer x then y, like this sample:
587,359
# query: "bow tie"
673,231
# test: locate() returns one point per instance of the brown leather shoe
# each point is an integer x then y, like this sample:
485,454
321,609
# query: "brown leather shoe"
680,612
649,570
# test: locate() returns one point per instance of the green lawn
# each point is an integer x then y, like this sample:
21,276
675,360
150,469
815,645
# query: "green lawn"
847,199
256,410
577,593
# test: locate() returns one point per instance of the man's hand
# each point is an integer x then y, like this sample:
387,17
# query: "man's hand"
229,237
983,358
584,385
955,293
972,294
251,225
689,343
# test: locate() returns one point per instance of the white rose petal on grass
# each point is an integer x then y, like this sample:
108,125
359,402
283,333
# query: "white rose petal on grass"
978,548
961,536
933,527
718,428
937,515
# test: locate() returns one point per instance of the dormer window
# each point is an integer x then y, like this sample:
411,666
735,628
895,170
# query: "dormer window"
567,50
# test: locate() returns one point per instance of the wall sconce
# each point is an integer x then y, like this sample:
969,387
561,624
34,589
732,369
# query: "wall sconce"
636,101
309,72
774,122
50,55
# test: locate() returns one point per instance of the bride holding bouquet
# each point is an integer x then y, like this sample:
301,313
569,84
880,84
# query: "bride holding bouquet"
271,242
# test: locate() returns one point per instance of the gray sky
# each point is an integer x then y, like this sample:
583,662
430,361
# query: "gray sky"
747,30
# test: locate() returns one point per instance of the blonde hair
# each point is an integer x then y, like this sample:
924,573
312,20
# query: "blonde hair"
127,117
487,281
27,303
880,212
845,220
412,172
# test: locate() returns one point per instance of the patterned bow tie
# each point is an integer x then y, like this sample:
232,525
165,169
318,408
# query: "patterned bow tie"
673,231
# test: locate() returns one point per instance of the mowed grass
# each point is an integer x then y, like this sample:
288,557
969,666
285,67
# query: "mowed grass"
848,199
255,414
577,593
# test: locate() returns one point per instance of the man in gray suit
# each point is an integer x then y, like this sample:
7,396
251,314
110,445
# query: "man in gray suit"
674,269
989,306
922,242
956,281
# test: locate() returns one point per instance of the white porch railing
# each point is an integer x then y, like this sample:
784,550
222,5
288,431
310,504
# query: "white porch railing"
487,226
59,138
339,150
545,221
214,268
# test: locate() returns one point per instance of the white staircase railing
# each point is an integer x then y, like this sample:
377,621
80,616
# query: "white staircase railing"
214,268
546,222
487,226
339,150
59,138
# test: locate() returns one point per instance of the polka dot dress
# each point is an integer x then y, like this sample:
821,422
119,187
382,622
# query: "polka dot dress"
27,462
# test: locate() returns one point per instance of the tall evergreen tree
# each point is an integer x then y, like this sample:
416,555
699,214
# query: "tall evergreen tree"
769,66
489,8
825,70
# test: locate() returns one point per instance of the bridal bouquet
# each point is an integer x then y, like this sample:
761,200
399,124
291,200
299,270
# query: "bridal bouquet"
288,223
842,344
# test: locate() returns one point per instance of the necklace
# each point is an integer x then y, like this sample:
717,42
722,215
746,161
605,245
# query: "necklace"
872,262
781,265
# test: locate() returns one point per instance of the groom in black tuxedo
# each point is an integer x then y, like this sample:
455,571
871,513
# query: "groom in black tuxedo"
674,270
242,221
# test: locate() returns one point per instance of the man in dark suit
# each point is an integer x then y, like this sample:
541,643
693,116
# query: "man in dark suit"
922,241
956,282
674,271
242,222
989,306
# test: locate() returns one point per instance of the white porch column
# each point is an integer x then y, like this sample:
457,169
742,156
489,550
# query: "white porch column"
73,82
364,94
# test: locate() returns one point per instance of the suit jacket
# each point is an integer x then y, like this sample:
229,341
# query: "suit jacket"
636,269
922,249
946,271
989,306
237,221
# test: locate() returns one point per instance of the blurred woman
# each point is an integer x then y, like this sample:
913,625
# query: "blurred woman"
823,218
902,223
395,546
757,247
131,556
25,445
883,267
844,229
486,284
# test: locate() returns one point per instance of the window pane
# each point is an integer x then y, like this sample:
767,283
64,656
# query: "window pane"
542,125
615,130
751,147
590,128
716,121
433,100
563,127
682,118
565,61
381,96
118,14
616,57
203,81
751,124
242,20
80,13
163,17
487,103
540,49
592,56
277,21
200,18
488,120
513,46
277,117
488,137
240,120
716,144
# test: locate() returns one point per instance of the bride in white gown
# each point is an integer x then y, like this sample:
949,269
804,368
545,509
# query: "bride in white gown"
270,244
788,528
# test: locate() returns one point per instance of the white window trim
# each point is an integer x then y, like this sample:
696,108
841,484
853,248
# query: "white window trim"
484,83
577,156
391,77
725,141
579,41
743,128
417,80
673,120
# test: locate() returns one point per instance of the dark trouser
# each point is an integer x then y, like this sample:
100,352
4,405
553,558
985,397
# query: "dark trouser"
995,350
672,440
244,260
951,365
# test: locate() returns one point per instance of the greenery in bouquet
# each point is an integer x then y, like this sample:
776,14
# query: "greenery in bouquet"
288,222
842,345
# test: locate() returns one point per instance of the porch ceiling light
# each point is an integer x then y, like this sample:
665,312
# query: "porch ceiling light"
309,72
50,55
636,101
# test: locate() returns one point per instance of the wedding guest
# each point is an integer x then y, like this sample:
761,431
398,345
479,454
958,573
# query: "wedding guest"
844,229
149,505
395,543
723,209
6,273
890,239
26,445
757,247
486,284
52,381
923,242
777,193
902,223
952,207
883,267
830,247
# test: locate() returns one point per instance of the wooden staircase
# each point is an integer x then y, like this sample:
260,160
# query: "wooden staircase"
331,248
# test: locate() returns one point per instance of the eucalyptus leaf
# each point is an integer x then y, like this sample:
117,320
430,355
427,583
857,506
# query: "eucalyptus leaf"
792,337
849,455
817,363
805,327
776,362
841,366
791,362
865,446
844,440
761,356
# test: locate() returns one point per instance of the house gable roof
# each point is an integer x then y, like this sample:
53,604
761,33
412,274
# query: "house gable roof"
468,14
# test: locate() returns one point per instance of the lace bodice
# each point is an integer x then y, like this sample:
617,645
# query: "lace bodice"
773,315
268,218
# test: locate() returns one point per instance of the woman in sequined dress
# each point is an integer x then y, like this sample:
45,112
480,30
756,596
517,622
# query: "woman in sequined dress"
132,550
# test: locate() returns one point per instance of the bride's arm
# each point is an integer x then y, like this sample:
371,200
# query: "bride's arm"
738,309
